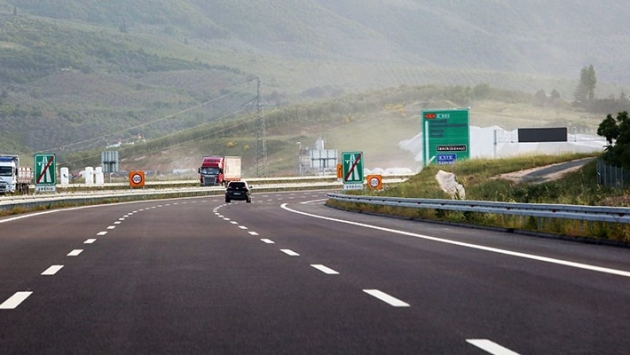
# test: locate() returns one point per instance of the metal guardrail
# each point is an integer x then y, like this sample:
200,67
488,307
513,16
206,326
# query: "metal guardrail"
95,197
45,200
574,212
100,193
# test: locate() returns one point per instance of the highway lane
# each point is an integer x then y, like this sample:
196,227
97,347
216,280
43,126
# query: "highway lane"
198,276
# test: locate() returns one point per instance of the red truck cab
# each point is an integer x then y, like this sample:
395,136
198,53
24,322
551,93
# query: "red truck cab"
219,170
211,171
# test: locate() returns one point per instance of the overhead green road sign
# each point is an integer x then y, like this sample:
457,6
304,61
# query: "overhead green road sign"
352,173
445,136
45,172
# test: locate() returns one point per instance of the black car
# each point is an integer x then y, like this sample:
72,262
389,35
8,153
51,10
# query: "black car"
238,190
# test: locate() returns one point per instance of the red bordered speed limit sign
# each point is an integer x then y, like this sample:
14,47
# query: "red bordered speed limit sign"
136,178
374,182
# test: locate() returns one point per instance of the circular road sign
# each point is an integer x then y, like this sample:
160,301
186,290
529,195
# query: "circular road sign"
136,178
375,182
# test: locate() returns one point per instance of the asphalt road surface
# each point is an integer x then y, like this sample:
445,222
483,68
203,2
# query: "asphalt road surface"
287,275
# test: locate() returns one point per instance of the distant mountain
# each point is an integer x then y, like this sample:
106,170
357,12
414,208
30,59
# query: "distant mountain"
116,69
554,38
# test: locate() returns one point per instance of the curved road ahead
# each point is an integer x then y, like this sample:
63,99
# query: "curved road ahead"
286,275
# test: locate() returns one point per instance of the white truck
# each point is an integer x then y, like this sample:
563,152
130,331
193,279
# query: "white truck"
13,177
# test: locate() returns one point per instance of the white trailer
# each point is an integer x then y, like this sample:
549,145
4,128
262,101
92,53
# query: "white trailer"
232,169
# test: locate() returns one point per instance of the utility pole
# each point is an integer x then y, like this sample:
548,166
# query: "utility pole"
261,146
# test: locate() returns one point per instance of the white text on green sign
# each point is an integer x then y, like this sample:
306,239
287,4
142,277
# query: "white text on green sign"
445,131
45,169
352,167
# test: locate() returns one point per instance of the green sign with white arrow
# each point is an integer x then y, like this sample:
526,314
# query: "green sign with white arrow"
352,173
445,136
45,173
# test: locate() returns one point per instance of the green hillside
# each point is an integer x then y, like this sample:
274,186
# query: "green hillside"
374,122
77,75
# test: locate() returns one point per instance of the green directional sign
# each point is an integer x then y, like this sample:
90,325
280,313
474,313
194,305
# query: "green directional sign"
45,172
352,172
445,136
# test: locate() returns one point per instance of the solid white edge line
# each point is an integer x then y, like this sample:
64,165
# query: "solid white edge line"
35,214
11,219
52,270
392,301
75,252
15,300
491,347
325,269
289,252
475,246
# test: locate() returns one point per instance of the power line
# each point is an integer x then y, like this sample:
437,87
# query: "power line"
93,141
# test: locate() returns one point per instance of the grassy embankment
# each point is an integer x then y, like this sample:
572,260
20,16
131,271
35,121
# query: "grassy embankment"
476,175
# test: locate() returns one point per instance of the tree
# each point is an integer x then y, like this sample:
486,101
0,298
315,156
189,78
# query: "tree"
540,98
617,134
123,26
481,91
555,95
585,91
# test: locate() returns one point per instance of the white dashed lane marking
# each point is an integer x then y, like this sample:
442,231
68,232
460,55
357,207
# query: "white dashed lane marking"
101,233
75,252
15,300
242,227
289,252
89,241
491,347
111,227
325,269
392,301
52,270
268,241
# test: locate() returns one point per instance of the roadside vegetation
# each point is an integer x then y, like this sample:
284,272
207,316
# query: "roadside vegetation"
348,122
478,178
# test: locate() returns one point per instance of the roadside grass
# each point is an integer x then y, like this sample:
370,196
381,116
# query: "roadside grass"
476,175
